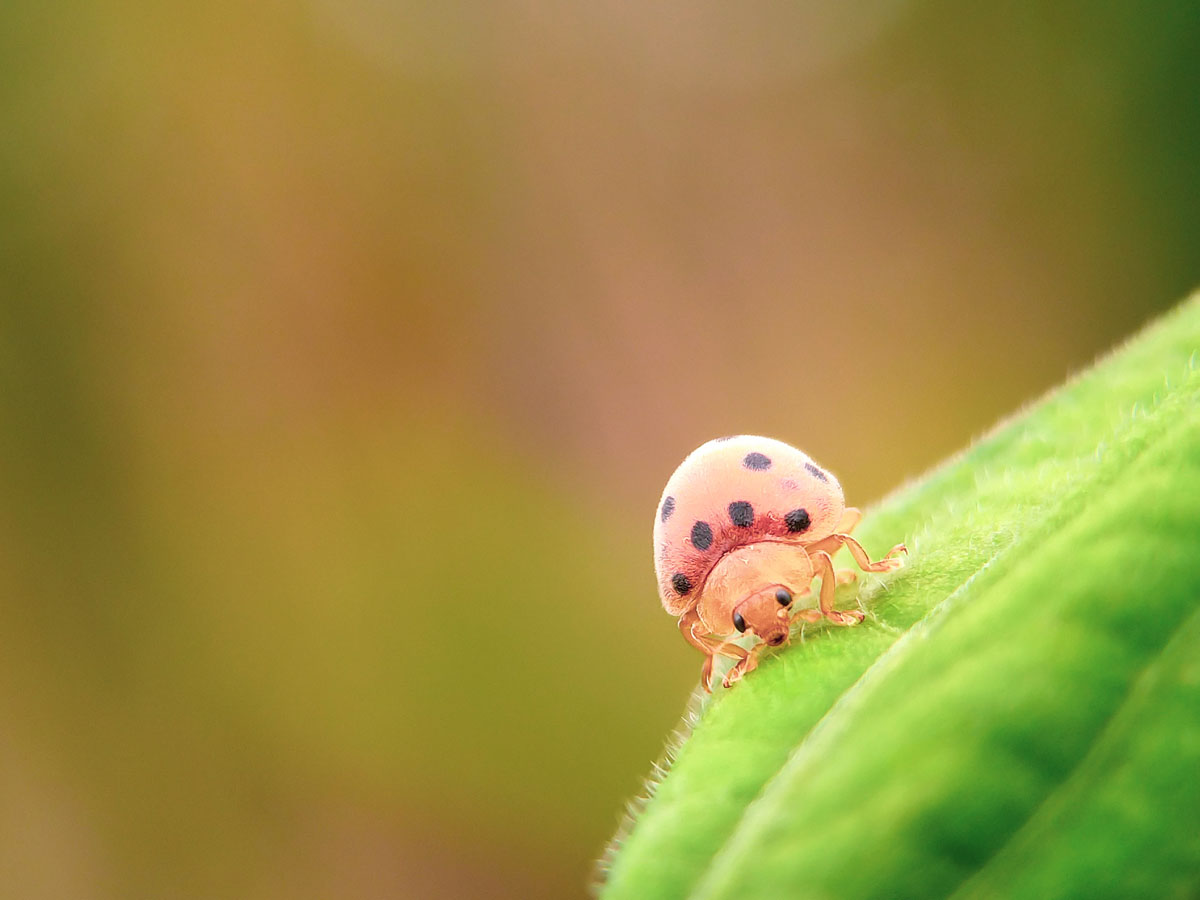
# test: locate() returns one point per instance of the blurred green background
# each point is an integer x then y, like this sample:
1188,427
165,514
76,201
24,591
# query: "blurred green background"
346,345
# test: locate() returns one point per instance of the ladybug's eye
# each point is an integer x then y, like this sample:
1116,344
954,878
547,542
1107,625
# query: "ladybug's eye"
783,596
738,622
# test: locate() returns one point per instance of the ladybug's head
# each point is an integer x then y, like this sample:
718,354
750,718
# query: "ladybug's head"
765,613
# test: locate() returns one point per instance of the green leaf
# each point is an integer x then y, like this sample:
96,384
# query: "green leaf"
1019,715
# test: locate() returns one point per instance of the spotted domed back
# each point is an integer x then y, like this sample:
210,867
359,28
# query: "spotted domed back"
731,492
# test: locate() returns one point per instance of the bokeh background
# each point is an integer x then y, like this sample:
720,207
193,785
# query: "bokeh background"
345,347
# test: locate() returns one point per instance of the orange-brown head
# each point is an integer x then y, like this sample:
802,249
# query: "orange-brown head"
765,613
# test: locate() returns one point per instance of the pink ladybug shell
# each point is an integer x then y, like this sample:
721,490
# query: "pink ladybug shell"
731,492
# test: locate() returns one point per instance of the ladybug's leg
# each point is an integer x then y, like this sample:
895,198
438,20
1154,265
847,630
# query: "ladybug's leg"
824,569
834,541
889,562
806,615
693,629
747,664
850,519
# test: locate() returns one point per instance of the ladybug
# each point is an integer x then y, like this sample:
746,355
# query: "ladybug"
743,527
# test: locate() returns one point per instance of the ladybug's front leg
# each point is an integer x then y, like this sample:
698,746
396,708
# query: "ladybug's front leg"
747,664
704,641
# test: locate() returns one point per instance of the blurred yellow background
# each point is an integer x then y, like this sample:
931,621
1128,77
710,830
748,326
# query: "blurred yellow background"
346,346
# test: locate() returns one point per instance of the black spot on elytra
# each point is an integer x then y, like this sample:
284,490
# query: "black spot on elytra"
680,582
668,507
757,461
741,513
701,536
815,472
797,520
